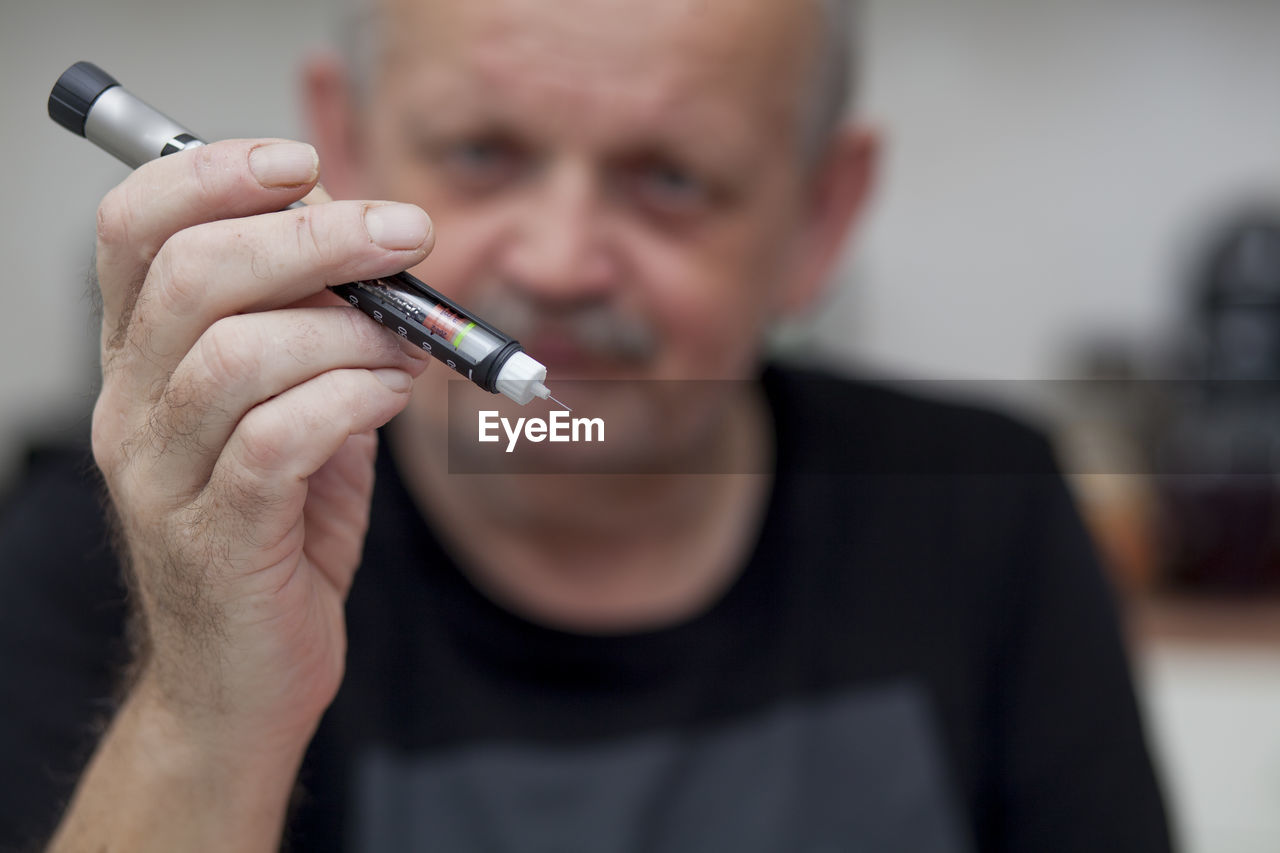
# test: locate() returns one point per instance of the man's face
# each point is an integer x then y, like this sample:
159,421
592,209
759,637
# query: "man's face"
615,184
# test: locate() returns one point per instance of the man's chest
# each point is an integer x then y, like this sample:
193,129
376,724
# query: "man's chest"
861,770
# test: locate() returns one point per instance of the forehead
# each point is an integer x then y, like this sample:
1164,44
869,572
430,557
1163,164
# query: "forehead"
602,65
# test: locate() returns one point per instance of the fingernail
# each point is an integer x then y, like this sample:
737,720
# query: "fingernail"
284,164
397,226
396,380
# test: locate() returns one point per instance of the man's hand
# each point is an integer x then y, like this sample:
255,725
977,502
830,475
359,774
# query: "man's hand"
234,430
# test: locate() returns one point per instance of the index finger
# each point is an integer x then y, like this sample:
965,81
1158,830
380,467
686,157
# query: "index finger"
222,180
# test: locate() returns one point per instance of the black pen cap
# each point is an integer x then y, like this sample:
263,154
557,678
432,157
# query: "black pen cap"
74,93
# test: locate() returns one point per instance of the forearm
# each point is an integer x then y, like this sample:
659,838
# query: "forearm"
157,783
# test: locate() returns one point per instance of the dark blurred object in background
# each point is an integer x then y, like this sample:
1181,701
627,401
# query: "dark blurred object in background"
1221,521
1237,302
1185,493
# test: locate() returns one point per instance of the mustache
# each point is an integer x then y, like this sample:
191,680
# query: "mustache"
599,329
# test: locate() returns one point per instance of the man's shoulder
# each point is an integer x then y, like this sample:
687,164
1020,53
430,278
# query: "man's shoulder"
62,640
54,536
836,422
57,486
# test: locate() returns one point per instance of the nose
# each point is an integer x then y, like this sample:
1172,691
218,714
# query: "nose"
557,252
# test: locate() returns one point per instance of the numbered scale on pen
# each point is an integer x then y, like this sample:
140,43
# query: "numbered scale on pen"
464,344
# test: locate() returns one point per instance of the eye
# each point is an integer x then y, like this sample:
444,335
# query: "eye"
477,154
482,164
670,189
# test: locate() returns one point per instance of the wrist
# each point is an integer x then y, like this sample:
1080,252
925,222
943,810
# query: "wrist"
216,733
162,781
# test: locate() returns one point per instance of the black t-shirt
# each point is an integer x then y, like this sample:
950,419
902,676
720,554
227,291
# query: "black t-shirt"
919,655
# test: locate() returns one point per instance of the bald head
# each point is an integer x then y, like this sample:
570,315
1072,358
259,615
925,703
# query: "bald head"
812,41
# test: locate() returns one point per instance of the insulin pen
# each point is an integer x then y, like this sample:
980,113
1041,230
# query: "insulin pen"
90,103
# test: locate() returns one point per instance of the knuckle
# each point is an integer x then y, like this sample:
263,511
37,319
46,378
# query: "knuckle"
106,436
364,332
116,446
207,169
157,434
262,264
242,502
176,276
319,422
310,237
370,342
305,340
263,434
180,416
228,352
114,218
348,390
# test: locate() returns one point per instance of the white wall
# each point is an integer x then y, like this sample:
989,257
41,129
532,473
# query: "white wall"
1212,712
1049,165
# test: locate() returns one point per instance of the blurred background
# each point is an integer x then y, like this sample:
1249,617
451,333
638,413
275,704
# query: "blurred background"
1083,190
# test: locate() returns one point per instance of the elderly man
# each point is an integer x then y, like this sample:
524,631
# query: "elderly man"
866,623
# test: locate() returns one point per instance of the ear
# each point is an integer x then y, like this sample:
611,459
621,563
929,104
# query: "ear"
837,193
332,119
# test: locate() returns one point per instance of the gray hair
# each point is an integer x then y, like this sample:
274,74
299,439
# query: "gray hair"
828,103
